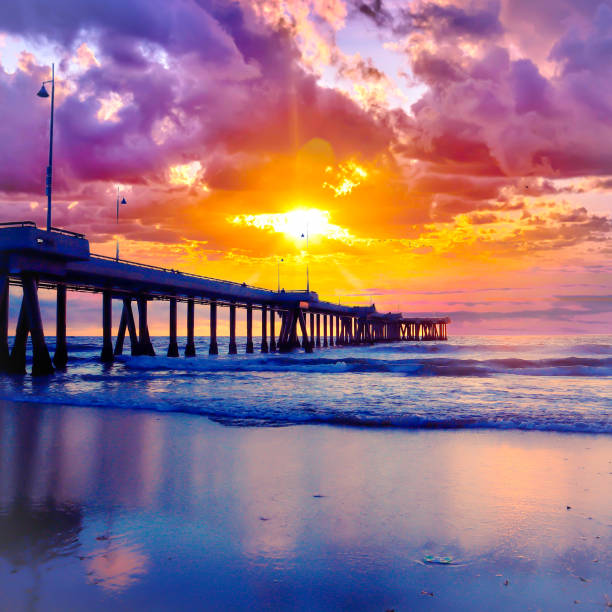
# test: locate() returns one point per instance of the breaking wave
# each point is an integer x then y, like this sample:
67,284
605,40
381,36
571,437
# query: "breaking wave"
566,366
544,384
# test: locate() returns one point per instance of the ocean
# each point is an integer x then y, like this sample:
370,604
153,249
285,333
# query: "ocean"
549,383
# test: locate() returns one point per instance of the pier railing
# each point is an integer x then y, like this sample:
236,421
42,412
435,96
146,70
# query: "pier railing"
55,230
173,271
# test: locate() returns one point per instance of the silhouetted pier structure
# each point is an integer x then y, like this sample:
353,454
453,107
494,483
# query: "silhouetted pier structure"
60,260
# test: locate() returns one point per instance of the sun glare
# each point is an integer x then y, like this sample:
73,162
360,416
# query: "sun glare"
296,224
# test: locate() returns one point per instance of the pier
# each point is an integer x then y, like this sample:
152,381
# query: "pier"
60,260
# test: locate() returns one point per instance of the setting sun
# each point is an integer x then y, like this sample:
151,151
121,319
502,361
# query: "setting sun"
297,224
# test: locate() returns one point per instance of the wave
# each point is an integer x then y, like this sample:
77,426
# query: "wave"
436,366
441,348
306,415
505,384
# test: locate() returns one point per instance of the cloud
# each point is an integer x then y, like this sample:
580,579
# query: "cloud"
172,85
208,110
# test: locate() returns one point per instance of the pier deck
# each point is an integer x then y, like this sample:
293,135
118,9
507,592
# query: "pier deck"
61,260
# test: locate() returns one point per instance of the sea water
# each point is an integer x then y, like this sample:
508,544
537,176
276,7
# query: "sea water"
554,383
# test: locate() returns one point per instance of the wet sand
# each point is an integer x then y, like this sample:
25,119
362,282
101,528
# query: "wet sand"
125,510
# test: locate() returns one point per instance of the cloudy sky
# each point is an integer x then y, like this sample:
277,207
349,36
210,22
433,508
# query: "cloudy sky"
445,156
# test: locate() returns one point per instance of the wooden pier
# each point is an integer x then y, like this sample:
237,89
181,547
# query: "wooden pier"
60,260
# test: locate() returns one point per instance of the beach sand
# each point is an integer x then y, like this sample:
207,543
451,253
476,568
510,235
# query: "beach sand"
125,510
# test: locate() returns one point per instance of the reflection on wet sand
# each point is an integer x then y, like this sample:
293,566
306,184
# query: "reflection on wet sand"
50,462
167,509
115,567
39,532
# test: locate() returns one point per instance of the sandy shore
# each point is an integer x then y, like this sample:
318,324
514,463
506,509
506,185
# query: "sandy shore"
140,510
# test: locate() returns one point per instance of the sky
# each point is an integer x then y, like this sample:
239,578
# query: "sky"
447,156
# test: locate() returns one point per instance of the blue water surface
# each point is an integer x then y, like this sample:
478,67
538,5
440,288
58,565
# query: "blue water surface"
556,383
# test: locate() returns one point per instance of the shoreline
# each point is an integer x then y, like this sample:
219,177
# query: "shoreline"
224,421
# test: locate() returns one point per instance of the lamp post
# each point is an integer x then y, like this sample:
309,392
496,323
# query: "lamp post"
123,201
307,274
43,93
278,263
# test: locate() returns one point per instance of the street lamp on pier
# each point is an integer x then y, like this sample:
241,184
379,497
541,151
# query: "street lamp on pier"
43,93
307,274
278,263
123,201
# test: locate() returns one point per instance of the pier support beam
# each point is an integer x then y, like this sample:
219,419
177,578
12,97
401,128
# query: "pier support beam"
190,347
232,343
144,341
264,329
17,360
283,344
60,358
213,348
312,330
131,325
4,319
287,339
107,327
249,326
121,332
172,344
41,362
272,332
331,330
318,343
324,331
294,341
306,343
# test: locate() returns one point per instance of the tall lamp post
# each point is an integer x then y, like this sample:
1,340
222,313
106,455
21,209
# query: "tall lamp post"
43,93
307,274
123,201
278,263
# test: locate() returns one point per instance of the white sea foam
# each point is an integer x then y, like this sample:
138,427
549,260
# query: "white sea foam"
550,384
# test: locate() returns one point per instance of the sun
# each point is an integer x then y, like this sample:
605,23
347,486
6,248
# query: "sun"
299,224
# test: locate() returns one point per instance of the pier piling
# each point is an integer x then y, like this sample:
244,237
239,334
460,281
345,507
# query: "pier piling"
232,342
60,357
17,360
190,347
121,333
264,329
41,361
107,323
324,331
131,325
144,341
213,349
272,331
305,340
312,329
172,344
249,326
4,319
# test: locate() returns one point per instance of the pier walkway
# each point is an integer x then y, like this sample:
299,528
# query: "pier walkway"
60,260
